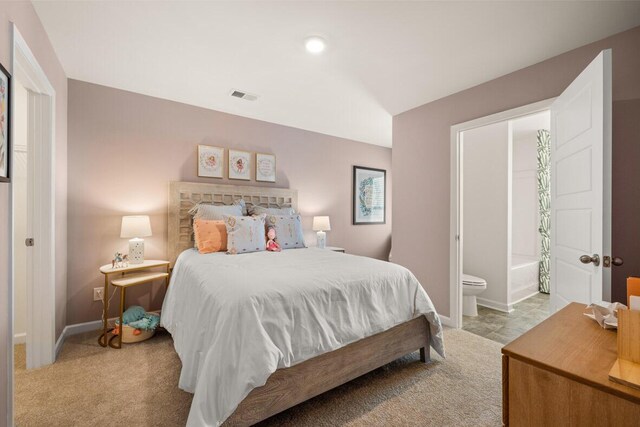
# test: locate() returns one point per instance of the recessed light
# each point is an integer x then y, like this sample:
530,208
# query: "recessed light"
315,45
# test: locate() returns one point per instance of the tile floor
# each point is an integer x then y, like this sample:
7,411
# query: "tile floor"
505,327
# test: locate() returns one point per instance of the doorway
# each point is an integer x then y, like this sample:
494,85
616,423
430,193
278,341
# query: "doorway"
32,258
505,226
580,191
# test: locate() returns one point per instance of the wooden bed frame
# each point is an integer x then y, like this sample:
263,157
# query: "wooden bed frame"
288,387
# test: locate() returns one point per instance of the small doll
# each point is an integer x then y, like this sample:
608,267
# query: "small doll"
272,245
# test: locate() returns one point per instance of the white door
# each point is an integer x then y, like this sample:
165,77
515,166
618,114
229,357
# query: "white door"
581,188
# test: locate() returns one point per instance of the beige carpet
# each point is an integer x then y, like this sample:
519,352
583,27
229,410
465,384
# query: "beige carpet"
93,386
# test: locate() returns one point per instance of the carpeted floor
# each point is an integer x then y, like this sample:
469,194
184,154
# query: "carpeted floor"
93,386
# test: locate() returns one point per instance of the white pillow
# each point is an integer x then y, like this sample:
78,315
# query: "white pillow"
245,233
289,233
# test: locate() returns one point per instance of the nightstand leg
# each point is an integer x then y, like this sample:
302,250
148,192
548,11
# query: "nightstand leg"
105,312
123,292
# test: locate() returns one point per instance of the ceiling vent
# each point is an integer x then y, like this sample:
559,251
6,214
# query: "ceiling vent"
243,95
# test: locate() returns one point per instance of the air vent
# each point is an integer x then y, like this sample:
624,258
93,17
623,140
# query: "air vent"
243,95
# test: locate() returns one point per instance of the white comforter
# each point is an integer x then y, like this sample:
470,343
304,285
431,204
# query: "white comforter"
236,319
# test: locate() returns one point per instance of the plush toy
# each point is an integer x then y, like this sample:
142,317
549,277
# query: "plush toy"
133,313
272,245
135,317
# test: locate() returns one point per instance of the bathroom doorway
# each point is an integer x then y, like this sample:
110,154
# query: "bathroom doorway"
579,206
505,193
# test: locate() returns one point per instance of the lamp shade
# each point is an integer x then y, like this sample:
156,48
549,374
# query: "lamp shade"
135,226
321,223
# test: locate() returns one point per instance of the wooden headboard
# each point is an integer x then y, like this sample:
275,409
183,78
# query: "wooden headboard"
185,195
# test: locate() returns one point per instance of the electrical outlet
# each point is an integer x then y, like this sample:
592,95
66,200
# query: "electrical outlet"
98,294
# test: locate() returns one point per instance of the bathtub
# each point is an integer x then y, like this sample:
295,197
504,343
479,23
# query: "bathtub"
525,273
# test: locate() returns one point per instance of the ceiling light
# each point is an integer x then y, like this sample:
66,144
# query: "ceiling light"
315,44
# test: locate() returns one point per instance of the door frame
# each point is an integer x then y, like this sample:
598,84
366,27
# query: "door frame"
41,122
455,223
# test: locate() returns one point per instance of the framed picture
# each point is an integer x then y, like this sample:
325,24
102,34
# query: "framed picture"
265,167
210,161
239,165
369,195
5,124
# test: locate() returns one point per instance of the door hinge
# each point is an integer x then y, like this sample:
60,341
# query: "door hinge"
29,241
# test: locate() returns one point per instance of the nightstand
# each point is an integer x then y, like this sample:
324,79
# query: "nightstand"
133,275
336,249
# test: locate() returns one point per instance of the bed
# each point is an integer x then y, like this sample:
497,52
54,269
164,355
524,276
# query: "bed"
261,332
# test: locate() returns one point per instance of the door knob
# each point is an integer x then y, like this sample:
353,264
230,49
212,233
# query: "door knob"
607,261
617,261
586,259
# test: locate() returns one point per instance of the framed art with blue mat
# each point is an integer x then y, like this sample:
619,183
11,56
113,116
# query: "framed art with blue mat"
369,195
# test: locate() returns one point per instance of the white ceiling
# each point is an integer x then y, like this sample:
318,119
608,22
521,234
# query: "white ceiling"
382,58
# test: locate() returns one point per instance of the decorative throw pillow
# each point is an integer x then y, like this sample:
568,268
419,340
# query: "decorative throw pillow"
245,234
215,212
210,236
258,210
288,230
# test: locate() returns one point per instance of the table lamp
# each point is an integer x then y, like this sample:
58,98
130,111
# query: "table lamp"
321,224
136,226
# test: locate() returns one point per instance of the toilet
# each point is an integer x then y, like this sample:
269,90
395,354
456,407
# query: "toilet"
471,286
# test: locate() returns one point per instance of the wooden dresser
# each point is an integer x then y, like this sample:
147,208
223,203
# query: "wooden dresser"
557,375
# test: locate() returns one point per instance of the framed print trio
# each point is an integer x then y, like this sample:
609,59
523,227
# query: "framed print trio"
369,195
211,161
5,124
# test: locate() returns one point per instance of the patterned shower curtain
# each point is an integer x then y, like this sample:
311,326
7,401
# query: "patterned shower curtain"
544,205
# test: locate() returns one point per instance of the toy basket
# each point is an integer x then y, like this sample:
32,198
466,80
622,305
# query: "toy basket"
129,338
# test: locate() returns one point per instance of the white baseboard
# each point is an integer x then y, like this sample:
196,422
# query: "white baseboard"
80,328
20,338
507,308
76,329
526,296
445,320
59,343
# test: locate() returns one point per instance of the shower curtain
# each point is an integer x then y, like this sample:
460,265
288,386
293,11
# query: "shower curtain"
544,205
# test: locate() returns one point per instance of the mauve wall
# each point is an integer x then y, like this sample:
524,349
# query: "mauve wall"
124,148
24,16
421,156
